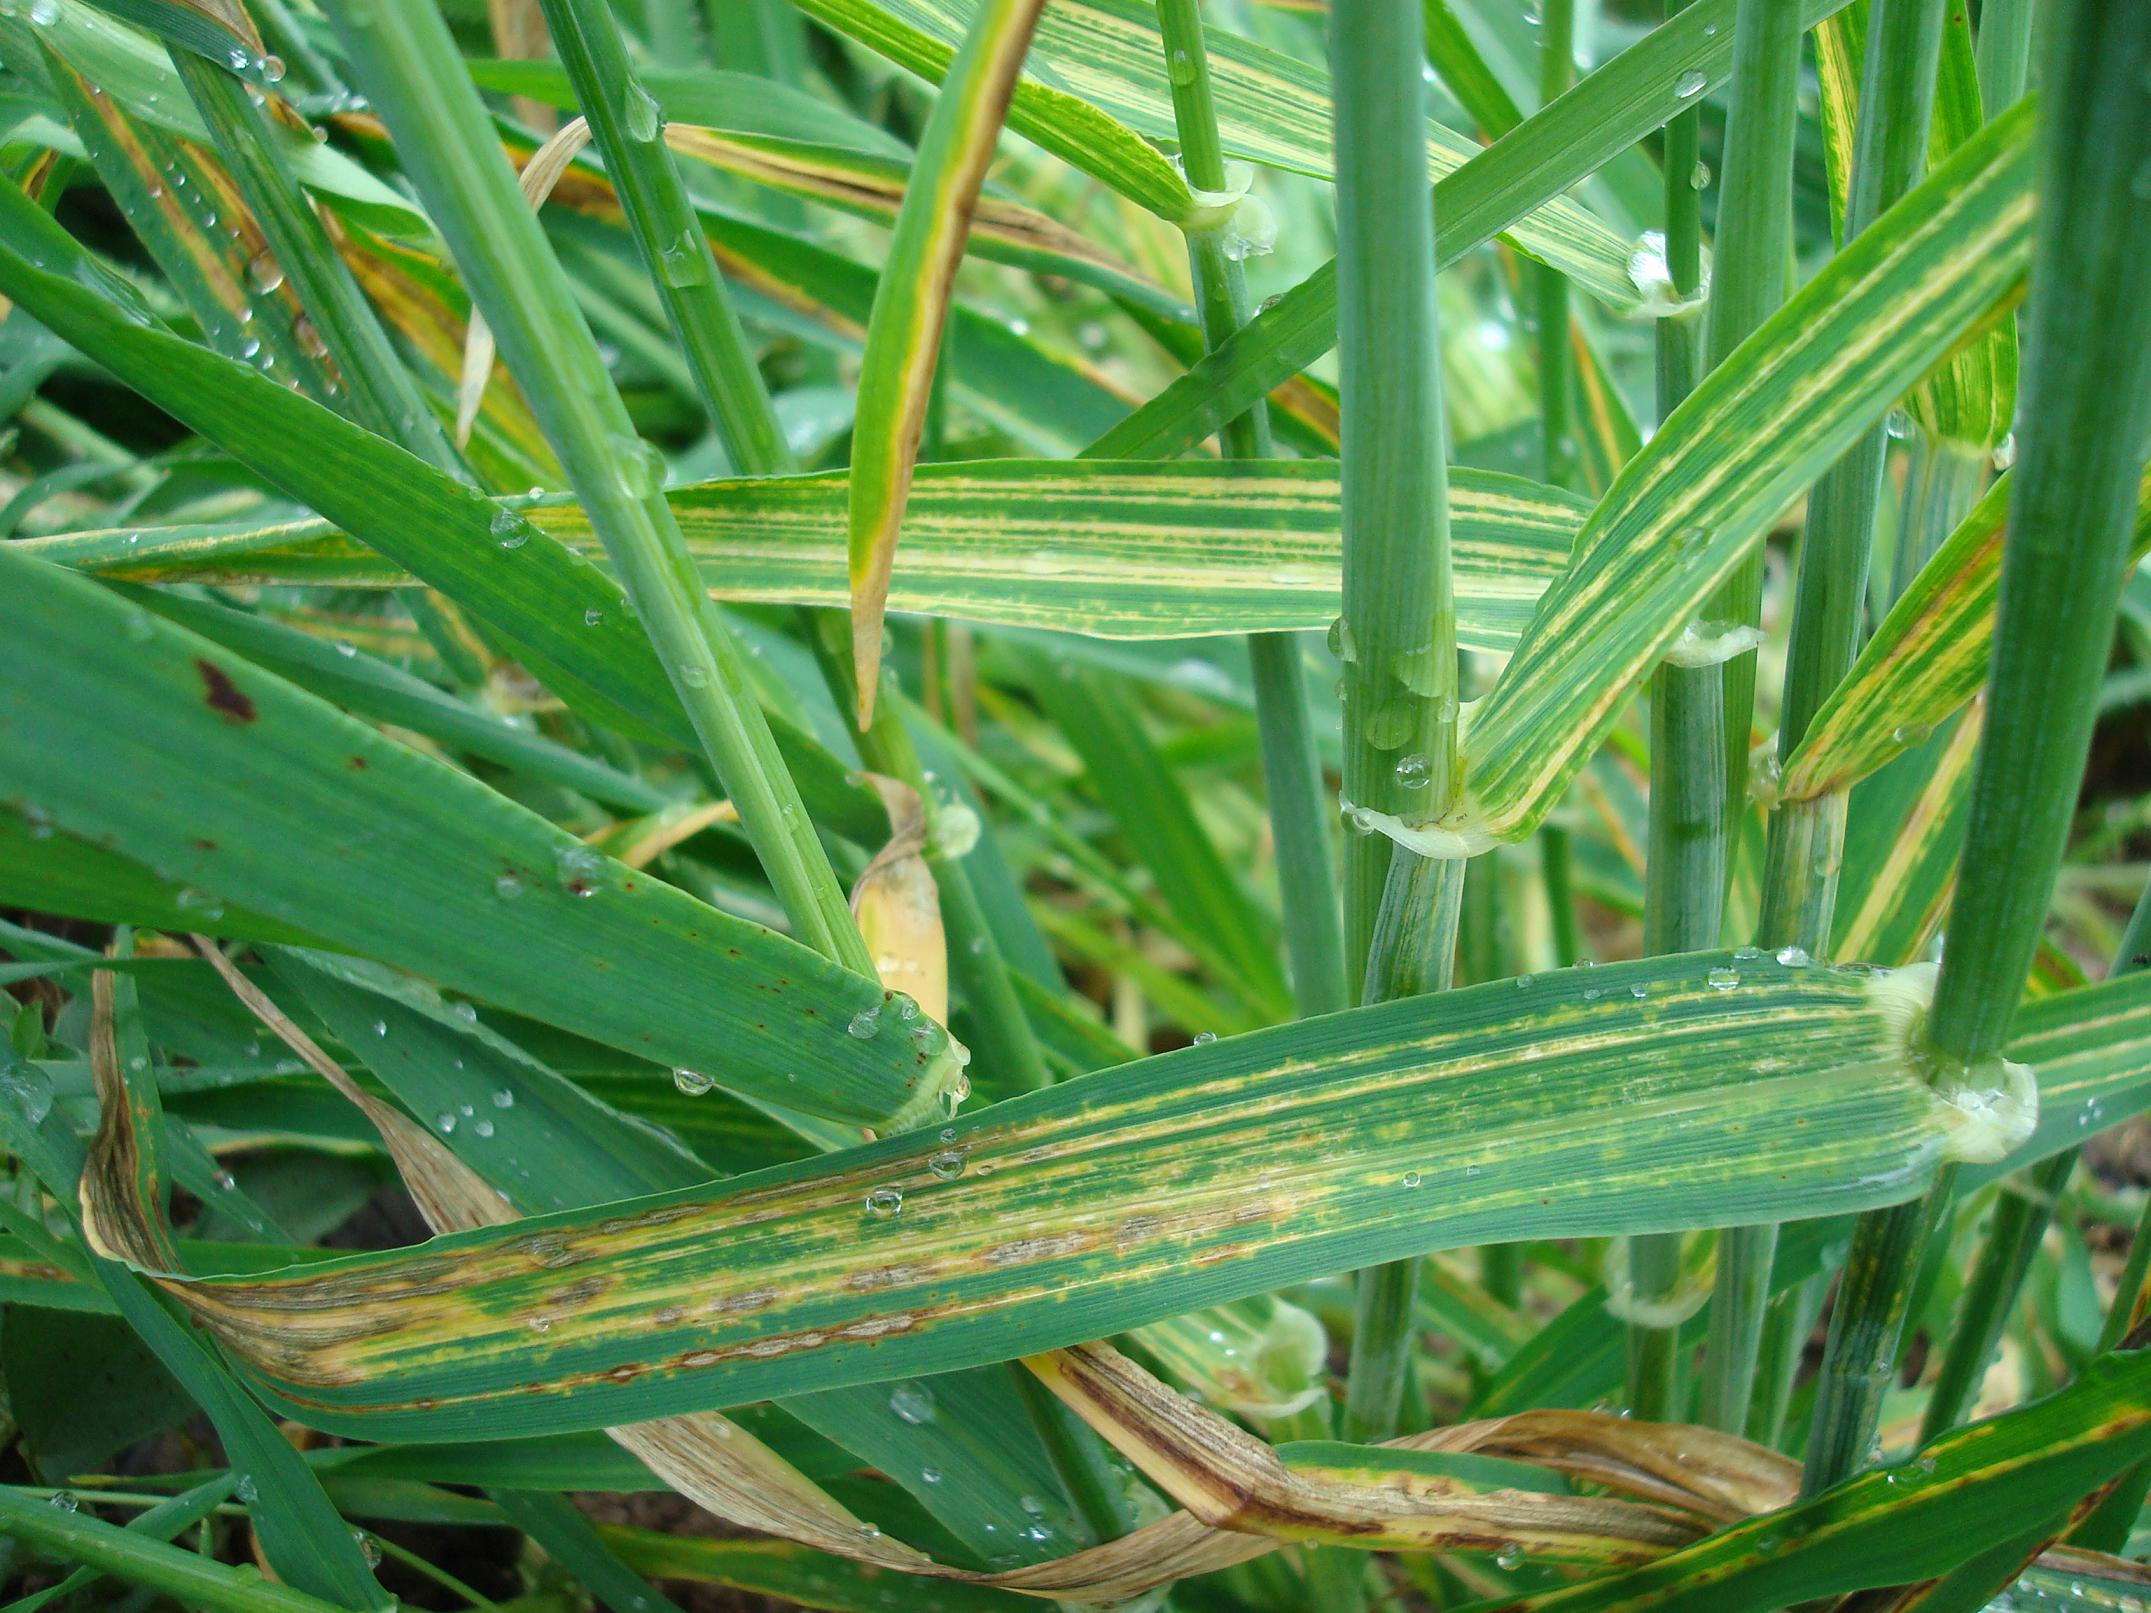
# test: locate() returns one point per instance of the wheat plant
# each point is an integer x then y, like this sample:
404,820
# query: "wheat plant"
931,804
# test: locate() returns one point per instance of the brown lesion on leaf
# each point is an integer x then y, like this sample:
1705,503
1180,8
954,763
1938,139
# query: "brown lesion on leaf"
224,696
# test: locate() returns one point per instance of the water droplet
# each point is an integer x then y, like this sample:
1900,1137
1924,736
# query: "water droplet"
640,112
503,1098
1205,1038
1525,980
507,887
639,465
1413,771
913,1403
579,869
1639,991
695,675
1906,735
61,1501
247,1490
369,1548
929,1475
692,1082
509,529
264,273
1794,957
1508,1557
44,13
445,1121
1392,722
2005,452
1690,83
884,1201
686,261
1699,176
483,1128
593,617
1722,978
1341,642
947,1164
193,901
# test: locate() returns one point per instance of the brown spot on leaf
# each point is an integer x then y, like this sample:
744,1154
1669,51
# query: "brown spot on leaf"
358,764
223,695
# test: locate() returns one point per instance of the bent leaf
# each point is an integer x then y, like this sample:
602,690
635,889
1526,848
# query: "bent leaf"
903,334
1214,1172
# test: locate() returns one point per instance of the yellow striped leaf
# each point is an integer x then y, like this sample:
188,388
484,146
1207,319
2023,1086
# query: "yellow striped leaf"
903,334
1947,259
1925,661
1674,1092
1137,551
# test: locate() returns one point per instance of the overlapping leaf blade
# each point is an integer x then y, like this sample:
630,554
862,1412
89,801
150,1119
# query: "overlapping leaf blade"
1216,1171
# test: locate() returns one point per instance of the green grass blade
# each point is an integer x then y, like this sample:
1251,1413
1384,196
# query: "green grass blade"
792,143
410,69
300,1531
490,898
370,687
662,219
160,1522
1557,147
1978,1485
1158,819
183,207
382,394
1272,109
129,1555
566,620
2071,510
567,1535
